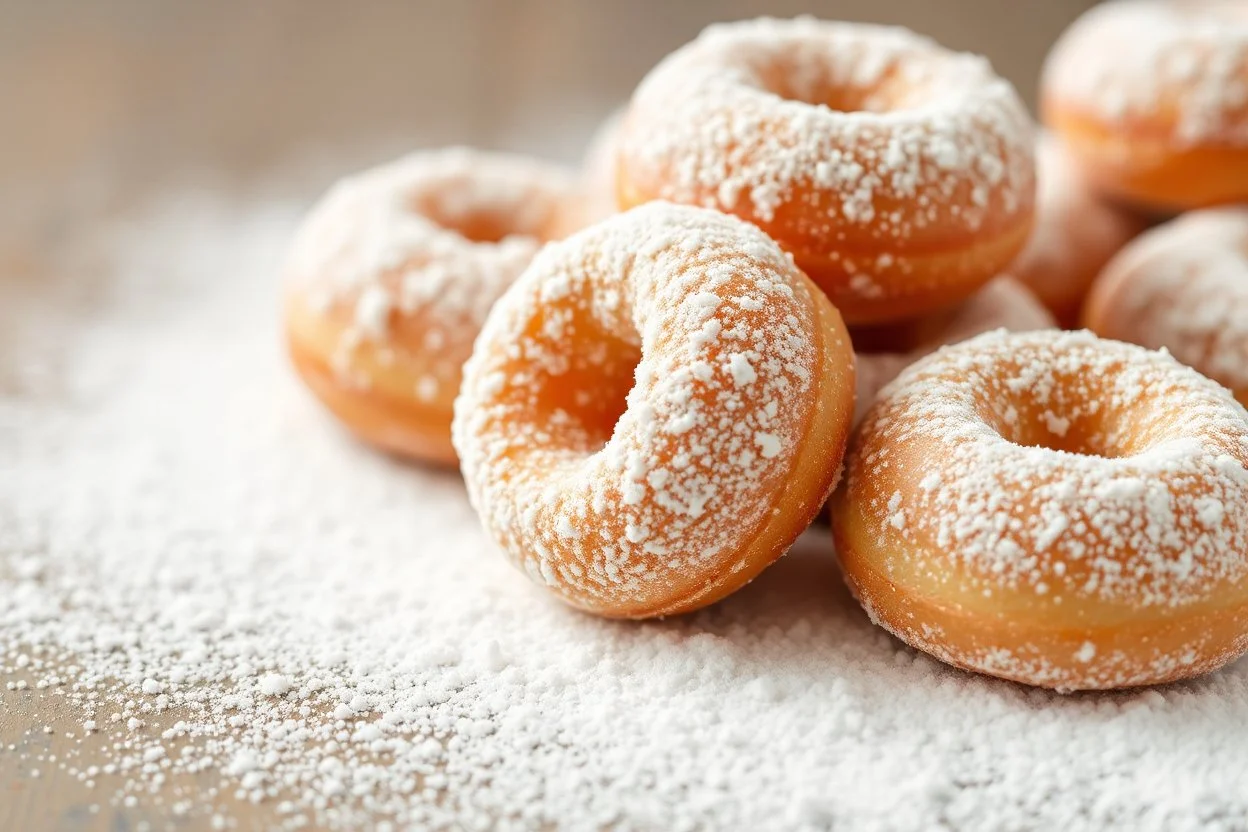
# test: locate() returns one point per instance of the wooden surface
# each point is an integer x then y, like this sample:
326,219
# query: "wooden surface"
107,102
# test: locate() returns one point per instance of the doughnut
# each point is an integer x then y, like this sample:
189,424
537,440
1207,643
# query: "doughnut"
1183,286
1151,98
900,175
595,198
654,411
883,352
1076,234
1052,508
391,275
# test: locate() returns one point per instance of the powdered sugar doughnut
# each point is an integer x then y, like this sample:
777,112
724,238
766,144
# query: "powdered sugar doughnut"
1151,96
1183,286
1055,509
654,411
1076,234
899,174
390,279
883,352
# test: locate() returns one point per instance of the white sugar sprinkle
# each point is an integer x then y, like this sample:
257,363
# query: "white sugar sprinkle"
183,514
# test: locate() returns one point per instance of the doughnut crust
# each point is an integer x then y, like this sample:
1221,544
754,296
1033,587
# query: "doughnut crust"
1053,508
1183,286
1151,98
900,175
654,411
391,275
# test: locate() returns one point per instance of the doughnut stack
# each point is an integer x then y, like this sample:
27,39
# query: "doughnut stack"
830,263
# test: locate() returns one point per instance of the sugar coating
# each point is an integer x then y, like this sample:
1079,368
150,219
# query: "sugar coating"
1179,67
1002,304
1155,513
1184,286
722,330
173,508
745,119
388,245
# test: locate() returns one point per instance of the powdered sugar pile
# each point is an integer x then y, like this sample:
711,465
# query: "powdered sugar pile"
188,543
1157,62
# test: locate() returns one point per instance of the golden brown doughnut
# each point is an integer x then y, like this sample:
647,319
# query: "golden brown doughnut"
1151,98
391,276
1183,286
654,411
899,174
1053,508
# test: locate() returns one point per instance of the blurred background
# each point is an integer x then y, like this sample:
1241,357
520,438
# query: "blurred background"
104,101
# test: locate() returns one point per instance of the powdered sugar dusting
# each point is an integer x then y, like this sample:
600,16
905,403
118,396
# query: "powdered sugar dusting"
390,242
174,509
1014,507
877,127
724,332
1158,62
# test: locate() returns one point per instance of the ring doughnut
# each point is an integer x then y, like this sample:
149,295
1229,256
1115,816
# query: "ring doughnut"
881,353
1151,98
654,411
1087,526
1076,234
900,175
390,278
1183,286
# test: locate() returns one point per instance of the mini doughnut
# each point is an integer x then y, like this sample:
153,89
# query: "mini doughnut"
1055,509
1183,286
1076,234
883,352
1151,97
654,411
595,198
900,175
391,276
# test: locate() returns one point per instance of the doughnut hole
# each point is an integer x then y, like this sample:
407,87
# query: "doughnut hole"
1063,416
482,223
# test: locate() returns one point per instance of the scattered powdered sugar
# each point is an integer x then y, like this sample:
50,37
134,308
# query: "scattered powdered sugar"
877,127
1157,62
397,239
335,638
721,329
1184,286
